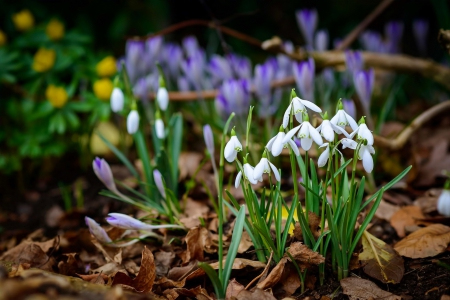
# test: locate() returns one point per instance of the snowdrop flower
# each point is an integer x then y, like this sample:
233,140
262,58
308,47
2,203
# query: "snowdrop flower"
323,158
97,231
133,122
264,166
443,205
248,174
159,126
117,100
363,133
232,147
103,172
365,153
343,119
299,107
327,129
276,145
163,98
306,133
129,223
159,182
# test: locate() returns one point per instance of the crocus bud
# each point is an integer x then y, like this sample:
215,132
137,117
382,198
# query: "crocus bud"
220,69
393,31
117,100
103,172
354,61
97,231
264,74
364,83
159,126
304,73
307,21
163,98
190,45
159,182
420,31
443,205
133,122
129,223
349,107
321,40
241,66
209,139
233,96
373,42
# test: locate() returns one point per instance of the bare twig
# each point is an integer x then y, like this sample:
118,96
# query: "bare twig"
361,26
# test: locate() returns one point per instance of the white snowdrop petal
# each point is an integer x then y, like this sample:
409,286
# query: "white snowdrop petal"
229,152
259,170
311,106
315,135
275,171
306,143
270,143
294,147
287,113
299,117
290,134
443,205
367,161
351,121
237,182
248,170
323,158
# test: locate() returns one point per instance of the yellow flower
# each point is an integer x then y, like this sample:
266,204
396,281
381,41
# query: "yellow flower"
3,38
55,30
56,95
106,67
44,59
103,88
23,20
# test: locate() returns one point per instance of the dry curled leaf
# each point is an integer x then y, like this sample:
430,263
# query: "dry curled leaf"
361,289
380,260
426,242
304,256
198,239
406,216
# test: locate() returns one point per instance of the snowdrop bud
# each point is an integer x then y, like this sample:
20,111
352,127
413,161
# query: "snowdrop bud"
307,21
133,122
304,73
159,126
443,205
103,172
209,139
232,147
117,100
163,98
159,182
97,231
321,40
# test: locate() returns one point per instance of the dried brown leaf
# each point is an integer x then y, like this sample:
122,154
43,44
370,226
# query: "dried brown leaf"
380,260
188,163
385,210
406,216
361,289
197,239
314,225
95,278
233,289
274,276
163,262
425,242
304,256
258,294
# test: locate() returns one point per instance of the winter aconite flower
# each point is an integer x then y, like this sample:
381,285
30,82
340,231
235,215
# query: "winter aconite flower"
299,107
363,133
56,95
106,67
248,174
44,59
443,205
3,38
103,88
133,122
117,100
23,20
55,30
264,166
276,144
306,133
232,147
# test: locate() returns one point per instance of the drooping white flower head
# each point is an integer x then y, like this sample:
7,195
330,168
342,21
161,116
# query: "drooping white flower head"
162,96
443,205
159,126
117,100
232,147
323,158
264,166
365,153
306,133
276,145
327,129
248,174
299,106
133,122
343,119
363,133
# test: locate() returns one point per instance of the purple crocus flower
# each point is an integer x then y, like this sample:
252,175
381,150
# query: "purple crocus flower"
134,56
129,223
307,21
233,96
304,73
193,68
145,85
183,84
159,182
172,55
284,62
420,31
349,107
241,66
103,172
220,69
190,45
264,74
209,139
393,31
364,83
97,231
353,61
321,40
153,47
373,42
